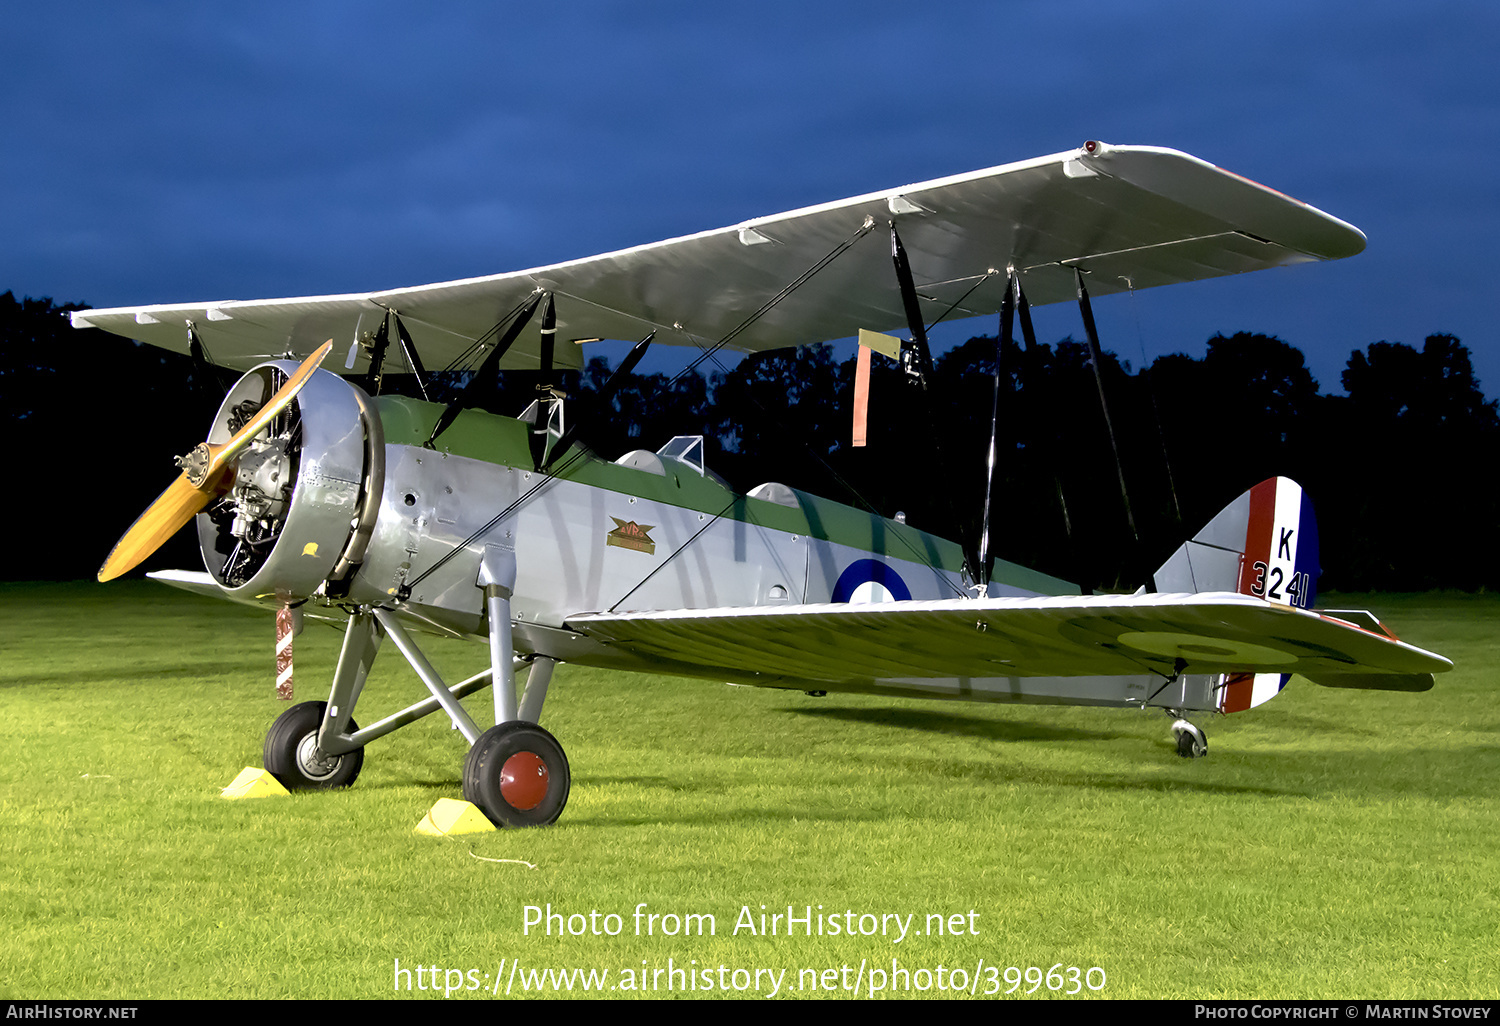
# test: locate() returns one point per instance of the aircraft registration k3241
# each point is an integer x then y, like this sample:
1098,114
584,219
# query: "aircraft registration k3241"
315,494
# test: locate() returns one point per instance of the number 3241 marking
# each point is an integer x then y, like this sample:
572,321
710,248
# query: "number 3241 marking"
1278,588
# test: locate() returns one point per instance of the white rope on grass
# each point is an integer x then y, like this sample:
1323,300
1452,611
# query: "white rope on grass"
481,858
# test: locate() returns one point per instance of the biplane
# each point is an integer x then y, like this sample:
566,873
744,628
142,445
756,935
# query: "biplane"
317,495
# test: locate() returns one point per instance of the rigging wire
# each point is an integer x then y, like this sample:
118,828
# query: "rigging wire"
708,353
676,552
1161,433
1096,359
986,276
765,308
840,480
477,346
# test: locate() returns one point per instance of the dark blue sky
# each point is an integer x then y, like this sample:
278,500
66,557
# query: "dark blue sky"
164,152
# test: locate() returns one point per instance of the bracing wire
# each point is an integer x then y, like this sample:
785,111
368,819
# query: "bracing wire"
708,353
1161,433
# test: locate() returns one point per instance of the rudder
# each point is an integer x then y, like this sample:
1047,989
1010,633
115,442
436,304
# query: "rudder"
1265,544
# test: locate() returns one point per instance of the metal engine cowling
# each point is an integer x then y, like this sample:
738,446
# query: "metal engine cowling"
305,492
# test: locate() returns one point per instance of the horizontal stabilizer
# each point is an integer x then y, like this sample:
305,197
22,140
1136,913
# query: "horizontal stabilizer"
1374,681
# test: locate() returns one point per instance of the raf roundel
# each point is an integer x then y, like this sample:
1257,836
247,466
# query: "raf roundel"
869,580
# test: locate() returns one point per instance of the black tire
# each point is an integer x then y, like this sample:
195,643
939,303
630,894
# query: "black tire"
529,791
296,728
1188,746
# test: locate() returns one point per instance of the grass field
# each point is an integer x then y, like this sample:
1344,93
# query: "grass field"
1332,844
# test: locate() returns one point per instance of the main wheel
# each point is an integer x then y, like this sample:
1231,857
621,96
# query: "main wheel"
291,752
518,775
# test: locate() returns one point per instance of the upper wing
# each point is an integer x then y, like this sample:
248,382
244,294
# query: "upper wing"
1129,215
1098,635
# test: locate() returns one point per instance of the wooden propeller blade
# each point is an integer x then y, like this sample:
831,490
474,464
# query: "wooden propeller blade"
219,455
183,500
162,519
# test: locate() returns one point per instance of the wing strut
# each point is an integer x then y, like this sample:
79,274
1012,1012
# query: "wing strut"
1026,397
563,444
605,395
916,358
1097,360
483,378
1006,340
544,390
566,441
205,371
549,336
413,361
376,373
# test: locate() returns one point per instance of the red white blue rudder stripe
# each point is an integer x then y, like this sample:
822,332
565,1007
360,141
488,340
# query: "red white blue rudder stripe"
1281,545
1265,544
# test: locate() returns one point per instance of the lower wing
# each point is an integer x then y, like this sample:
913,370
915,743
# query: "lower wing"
1100,635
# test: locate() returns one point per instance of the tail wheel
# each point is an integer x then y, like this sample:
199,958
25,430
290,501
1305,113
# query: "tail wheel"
1191,743
518,775
292,757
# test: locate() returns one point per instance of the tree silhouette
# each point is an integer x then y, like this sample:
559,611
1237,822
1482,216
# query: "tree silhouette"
97,409
1413,480
1399,469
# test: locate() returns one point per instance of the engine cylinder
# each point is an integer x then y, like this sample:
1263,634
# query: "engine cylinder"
299,490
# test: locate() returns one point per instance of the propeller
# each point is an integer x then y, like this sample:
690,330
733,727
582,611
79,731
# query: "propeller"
205,475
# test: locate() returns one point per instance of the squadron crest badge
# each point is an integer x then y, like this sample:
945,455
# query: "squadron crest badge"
630,535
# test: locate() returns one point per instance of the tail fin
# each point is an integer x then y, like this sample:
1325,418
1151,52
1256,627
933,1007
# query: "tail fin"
1265,543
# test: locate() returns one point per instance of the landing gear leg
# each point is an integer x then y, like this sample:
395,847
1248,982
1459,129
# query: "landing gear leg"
1191,741
497,576
536,689
515,772
309,747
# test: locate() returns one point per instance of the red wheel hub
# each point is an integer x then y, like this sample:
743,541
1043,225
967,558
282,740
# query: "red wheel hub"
523,781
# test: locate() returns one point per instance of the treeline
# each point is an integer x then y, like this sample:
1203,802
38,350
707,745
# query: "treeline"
1399,468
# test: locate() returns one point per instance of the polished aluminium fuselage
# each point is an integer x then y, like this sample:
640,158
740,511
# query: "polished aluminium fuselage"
645,532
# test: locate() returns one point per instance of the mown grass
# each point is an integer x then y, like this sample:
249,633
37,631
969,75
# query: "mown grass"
1333,843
